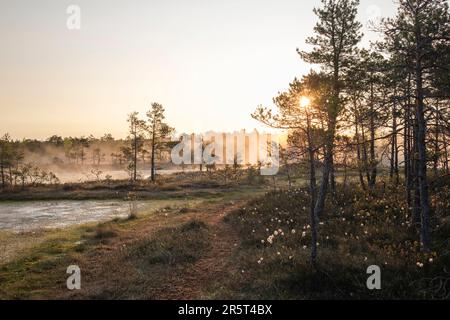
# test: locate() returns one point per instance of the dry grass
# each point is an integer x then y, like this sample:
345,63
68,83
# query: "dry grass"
179,185
358,230
188,252
114,255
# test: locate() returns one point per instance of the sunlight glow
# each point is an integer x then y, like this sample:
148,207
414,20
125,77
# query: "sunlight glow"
304,102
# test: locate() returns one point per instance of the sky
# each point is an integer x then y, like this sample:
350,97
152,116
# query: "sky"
209,62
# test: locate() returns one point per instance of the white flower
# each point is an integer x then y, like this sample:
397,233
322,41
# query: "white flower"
293,231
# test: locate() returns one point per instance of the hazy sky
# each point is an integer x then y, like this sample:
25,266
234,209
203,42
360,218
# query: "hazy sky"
210,63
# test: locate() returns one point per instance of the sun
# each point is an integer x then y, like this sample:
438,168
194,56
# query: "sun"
304,102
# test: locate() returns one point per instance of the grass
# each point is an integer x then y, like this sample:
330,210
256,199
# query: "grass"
152,255
359,230
38,270
147,268
28,275
175,246
181,185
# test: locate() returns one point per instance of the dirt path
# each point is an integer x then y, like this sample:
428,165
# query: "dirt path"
212,266
106,275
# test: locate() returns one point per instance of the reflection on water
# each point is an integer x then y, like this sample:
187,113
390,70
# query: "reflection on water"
56,214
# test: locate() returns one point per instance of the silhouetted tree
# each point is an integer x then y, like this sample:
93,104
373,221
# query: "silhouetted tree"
158,131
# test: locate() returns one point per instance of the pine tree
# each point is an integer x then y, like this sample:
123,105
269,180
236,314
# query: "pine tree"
158,131
421,34
336,35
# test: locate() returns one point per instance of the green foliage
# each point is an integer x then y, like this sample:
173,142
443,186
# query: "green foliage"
336,34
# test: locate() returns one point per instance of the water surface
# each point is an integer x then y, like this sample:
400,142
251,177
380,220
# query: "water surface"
28,215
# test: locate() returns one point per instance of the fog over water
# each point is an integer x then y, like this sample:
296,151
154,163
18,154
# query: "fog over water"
116,174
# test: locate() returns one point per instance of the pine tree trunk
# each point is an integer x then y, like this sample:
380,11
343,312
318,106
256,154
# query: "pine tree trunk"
332,176
422,165
407,145
373,165
135,156
312,190
394,150
436,142
10,175
415,161
364,156
392,164
2,171
321,196
358,155
153,157
406,152
445,154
